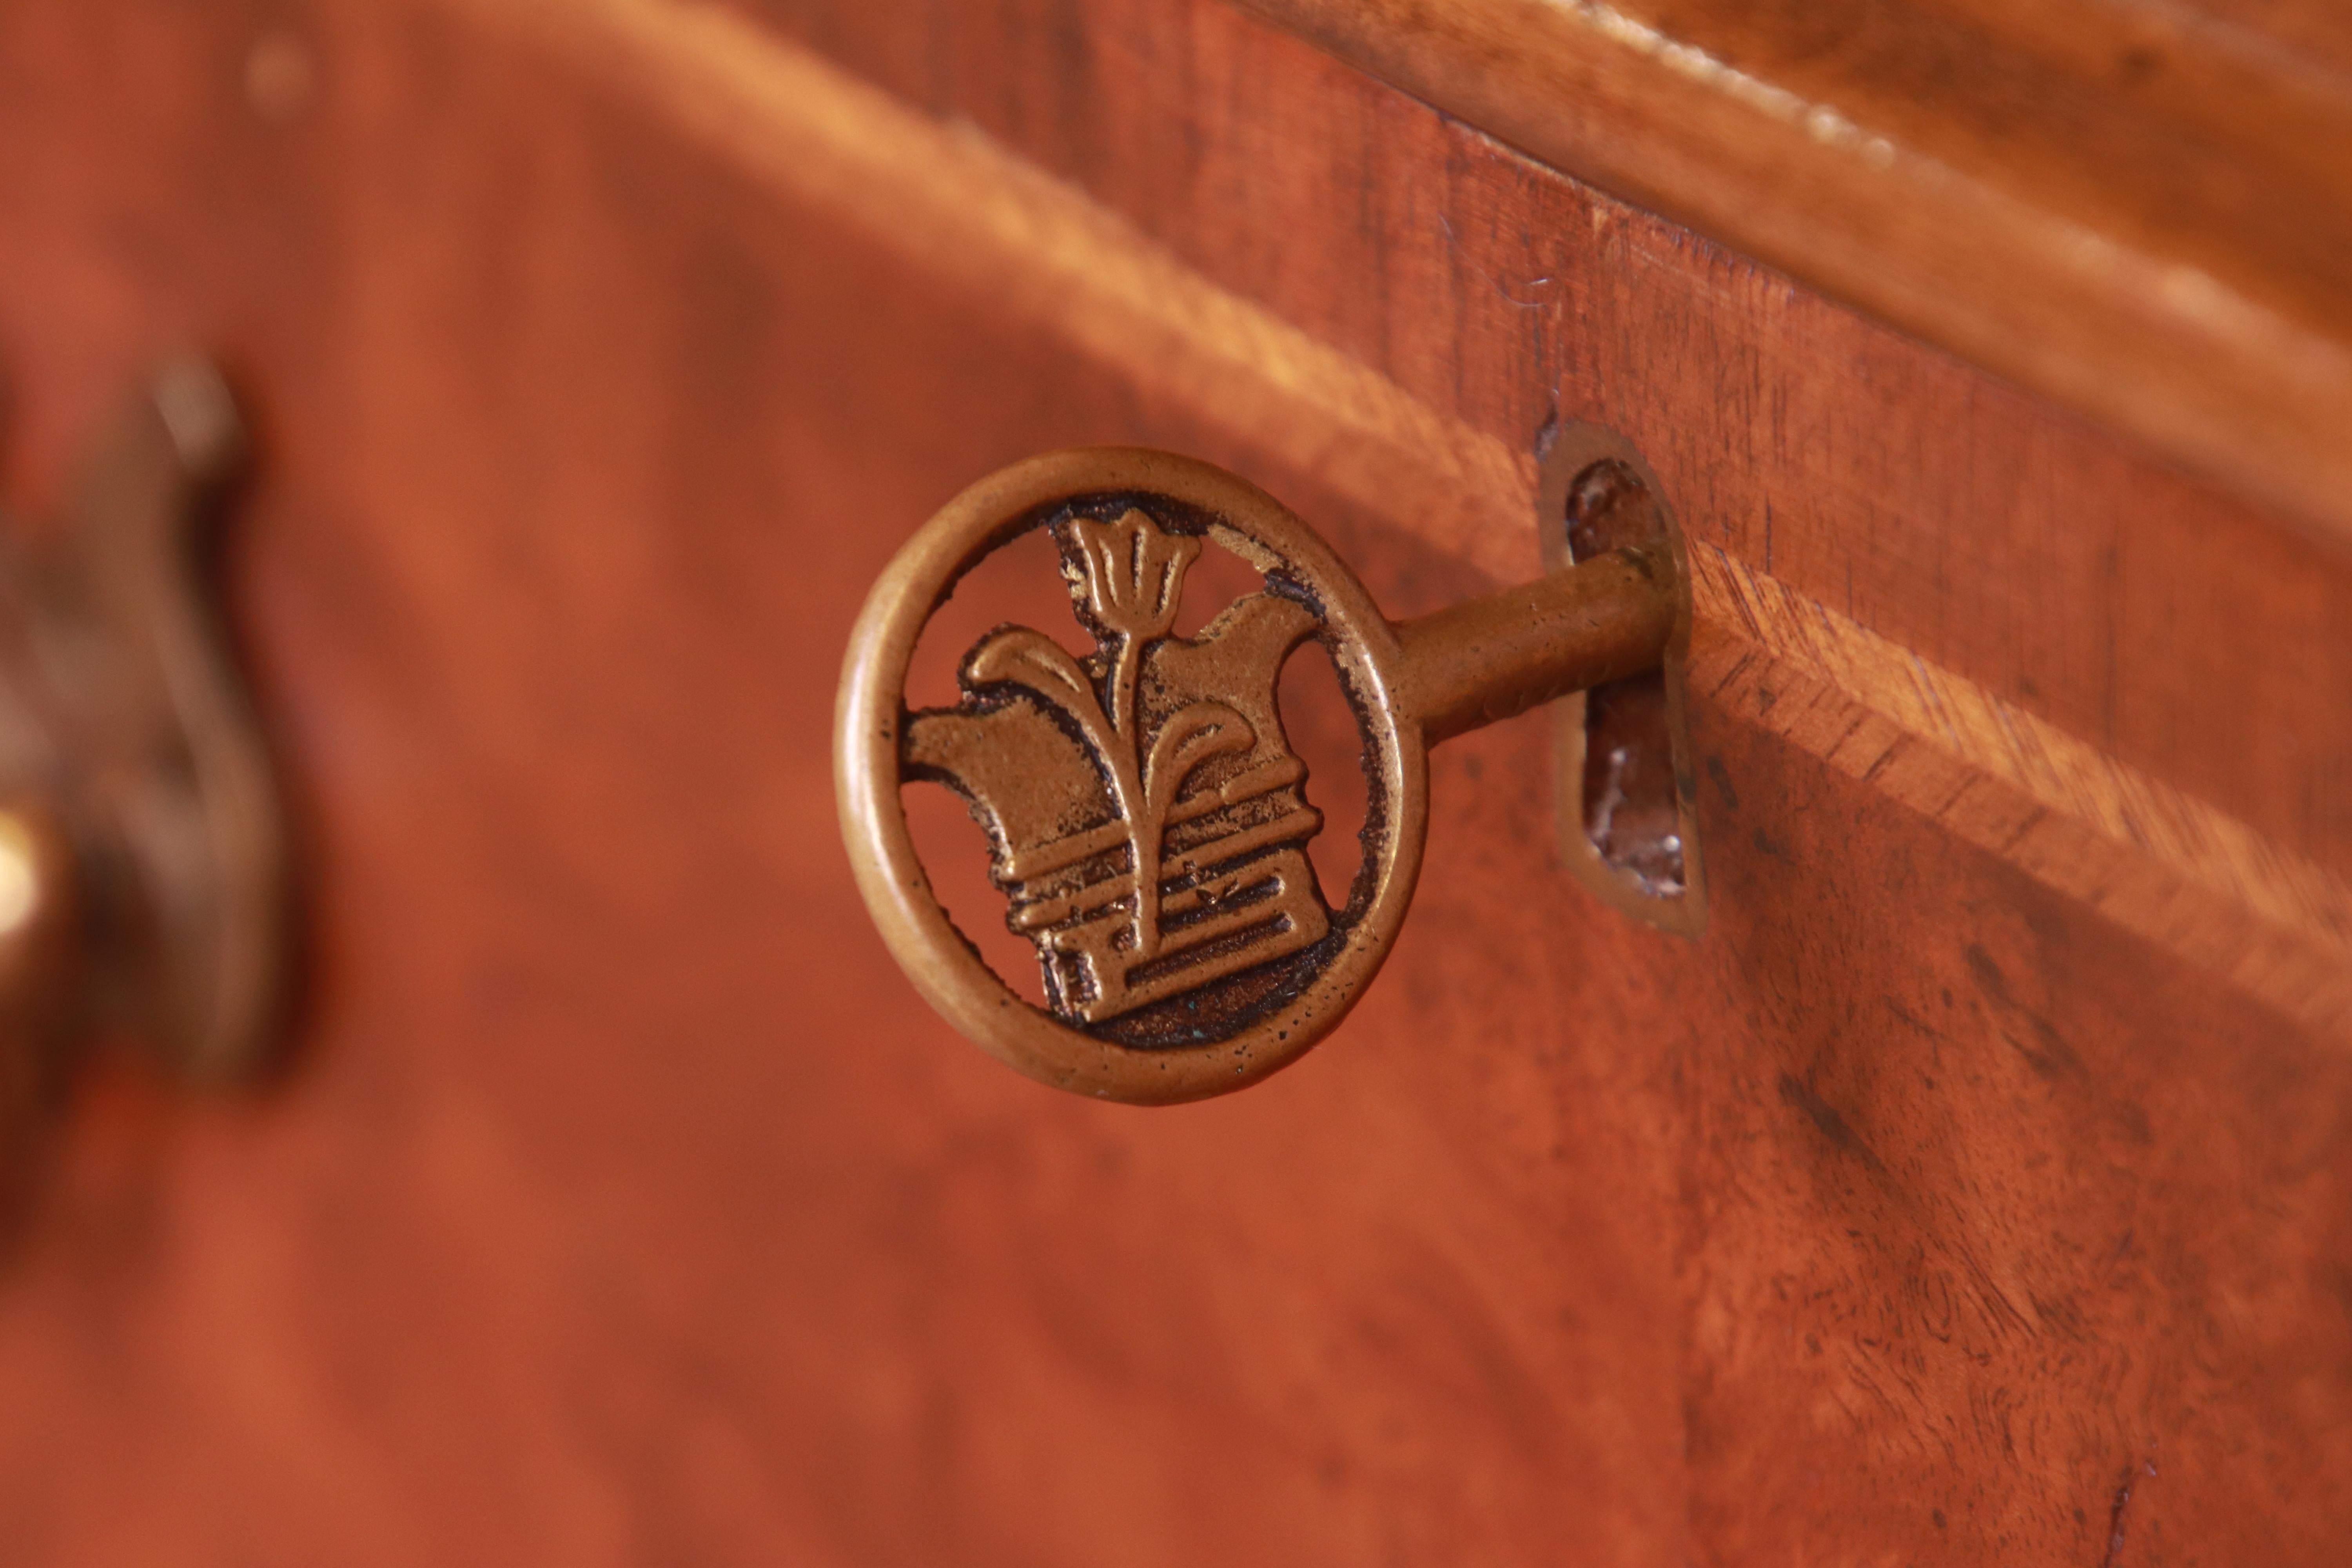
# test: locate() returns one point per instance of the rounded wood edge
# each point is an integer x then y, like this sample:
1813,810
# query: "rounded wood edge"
2192,339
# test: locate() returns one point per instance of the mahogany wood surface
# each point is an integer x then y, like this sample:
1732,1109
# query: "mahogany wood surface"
2138,206
623,1204
1993,555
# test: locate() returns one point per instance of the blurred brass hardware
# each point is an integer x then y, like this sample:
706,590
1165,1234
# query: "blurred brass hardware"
143,876
1161,753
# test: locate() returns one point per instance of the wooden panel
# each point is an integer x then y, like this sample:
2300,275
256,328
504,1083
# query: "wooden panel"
625,1205
2152,859
2059,568
2097,828
2135,207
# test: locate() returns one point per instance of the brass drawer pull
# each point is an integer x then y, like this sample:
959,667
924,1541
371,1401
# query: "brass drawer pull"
1154,753
144,881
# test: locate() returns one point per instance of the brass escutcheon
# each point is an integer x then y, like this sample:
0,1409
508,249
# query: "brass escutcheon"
1149,818
145,885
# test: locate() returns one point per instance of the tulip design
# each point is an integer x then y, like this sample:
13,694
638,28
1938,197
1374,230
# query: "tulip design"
1126,578
1148,820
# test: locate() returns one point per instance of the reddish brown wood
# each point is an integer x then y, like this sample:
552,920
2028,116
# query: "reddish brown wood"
2131,205
625,1205
2046,562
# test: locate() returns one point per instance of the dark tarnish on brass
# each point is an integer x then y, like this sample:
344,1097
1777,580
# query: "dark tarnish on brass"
1627,821
143,876
1149,819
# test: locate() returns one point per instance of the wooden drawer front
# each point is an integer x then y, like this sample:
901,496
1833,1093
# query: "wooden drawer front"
1975,1189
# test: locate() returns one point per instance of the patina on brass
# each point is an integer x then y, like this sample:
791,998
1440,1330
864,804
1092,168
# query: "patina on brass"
144,878
1149,817
1627,819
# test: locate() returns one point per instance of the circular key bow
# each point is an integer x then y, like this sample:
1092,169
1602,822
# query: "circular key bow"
1148,816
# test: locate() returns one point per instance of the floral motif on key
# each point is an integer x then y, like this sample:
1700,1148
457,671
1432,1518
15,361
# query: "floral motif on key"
1148,820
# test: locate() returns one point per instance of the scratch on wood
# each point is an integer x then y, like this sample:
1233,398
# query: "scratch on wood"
1886,755
1828,1122
2121,1506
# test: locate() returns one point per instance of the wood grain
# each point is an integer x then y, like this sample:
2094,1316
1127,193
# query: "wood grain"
627,1206
1926,499
2140,211
2159,863
2169,867
991,227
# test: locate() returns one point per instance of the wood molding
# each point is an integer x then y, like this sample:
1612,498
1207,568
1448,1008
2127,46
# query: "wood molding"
2138,210
2156,861
2175,871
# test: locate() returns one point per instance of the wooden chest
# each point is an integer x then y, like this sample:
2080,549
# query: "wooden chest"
1977,1188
